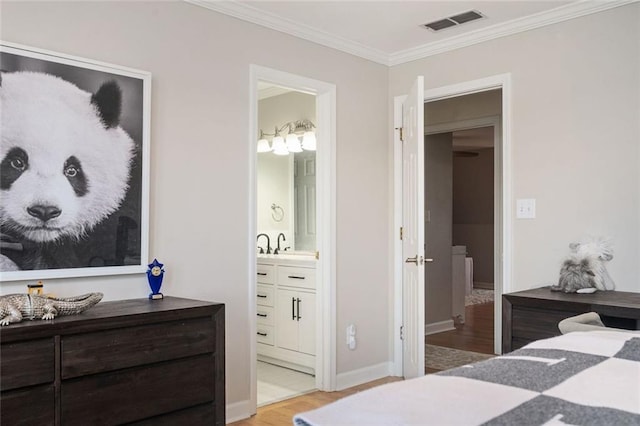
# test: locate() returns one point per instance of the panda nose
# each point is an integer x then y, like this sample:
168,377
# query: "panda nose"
44,213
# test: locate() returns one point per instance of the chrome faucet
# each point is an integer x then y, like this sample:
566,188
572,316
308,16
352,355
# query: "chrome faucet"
268,244
277,250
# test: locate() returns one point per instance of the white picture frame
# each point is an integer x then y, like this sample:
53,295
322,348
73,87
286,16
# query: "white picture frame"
119,243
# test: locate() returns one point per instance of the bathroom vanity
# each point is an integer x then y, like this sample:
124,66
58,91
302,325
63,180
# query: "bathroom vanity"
286,311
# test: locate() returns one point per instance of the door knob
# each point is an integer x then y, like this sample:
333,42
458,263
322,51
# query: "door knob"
428,260
415,259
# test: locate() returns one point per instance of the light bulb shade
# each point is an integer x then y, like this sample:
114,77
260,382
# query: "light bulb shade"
309,141
293,143
279,147
263,145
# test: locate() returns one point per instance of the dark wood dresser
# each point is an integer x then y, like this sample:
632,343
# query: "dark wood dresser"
534,314
140,361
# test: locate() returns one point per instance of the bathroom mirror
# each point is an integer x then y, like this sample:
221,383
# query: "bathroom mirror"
286,184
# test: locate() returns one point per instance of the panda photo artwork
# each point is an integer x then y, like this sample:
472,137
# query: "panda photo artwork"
73,166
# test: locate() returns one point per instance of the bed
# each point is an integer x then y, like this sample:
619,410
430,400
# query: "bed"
579,378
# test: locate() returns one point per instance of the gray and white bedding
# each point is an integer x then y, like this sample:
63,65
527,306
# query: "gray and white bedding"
581,378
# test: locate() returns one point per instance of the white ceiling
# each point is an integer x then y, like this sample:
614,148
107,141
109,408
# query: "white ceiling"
390,32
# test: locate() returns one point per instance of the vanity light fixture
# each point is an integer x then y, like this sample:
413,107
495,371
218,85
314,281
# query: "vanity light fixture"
295,130
263,143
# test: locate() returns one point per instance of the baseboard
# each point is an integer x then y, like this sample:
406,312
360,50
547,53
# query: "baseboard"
363,375
438,327
483,285
238,411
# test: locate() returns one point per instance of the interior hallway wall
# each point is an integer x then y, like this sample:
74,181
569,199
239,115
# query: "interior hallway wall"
473,211
438,201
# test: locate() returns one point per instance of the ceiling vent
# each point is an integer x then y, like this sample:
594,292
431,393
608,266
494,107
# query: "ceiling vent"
454,20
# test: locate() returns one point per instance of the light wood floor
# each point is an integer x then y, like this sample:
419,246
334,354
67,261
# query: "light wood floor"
281,413
475,335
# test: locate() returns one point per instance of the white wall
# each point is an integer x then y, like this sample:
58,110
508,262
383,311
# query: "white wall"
200,157
575,134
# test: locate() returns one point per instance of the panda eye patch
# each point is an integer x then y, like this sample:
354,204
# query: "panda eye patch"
73,172
13,165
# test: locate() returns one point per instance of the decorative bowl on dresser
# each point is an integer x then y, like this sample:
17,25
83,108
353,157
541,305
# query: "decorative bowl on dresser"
534,314
139,361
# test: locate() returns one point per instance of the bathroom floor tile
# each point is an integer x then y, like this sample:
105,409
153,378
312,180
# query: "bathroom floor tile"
277,383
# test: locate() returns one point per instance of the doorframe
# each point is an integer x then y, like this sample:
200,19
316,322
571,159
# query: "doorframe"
502,234
325,94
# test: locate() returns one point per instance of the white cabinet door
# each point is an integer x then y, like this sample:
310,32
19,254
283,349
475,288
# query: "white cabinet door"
307,323
286,319
296,321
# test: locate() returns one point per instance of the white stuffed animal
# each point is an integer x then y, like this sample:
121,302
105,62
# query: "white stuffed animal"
584,270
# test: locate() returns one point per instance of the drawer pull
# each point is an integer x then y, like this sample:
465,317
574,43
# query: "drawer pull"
263,296
296,277
262,315
264,274
262,334
293,308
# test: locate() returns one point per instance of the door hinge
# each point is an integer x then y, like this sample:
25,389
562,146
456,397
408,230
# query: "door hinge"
402,332
401,232
401,134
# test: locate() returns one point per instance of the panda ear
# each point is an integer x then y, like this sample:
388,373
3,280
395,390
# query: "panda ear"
108,100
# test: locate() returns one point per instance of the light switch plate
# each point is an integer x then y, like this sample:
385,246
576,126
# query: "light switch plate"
526,208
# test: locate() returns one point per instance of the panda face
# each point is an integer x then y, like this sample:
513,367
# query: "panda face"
62,168
37,205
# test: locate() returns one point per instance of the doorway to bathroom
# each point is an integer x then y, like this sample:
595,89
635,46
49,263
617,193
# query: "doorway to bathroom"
293,236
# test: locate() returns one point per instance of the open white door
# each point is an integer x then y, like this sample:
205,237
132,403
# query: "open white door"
413,231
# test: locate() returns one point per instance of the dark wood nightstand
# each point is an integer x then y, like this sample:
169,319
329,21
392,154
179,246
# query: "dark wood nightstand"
534,314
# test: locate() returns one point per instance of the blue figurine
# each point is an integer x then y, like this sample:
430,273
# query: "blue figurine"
155,273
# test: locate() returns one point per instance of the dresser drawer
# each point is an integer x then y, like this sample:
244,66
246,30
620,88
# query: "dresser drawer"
134,394
265,334
31,406
107,350
266,274
296,276
265,315
27,363
264,295
200,415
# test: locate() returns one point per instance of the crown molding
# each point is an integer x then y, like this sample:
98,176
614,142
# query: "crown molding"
553,16
269,20
278,23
